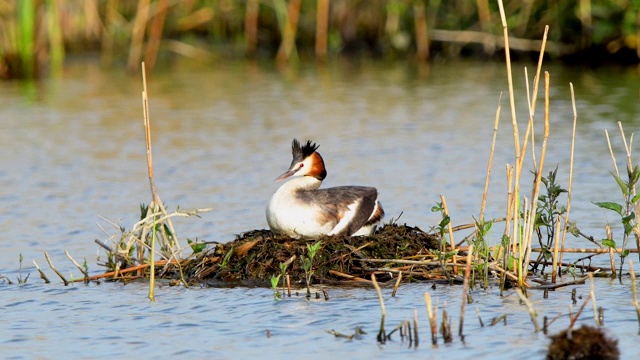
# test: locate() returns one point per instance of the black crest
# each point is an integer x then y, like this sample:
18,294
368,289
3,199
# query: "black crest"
301,152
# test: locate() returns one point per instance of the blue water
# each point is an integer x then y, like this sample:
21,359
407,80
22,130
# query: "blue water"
73,169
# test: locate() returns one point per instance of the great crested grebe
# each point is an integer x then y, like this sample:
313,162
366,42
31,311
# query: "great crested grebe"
300,209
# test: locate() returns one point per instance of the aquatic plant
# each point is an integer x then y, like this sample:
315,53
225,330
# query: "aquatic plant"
21,280
481,252
626,211
442,228
274,286
307,264
548,216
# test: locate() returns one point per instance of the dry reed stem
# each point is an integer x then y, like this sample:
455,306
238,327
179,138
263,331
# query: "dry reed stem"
411,262
422,35
557,286
505,272
539,70
575,317
347,276
126,270
433,322
612,258
479,317
632,189
490,164
530,122
505,30
528,232
287,46
397,284
46,256
383,310
554,267
382,336
509,173
588,250
155,33
251,26
322,28
43,276
514,123
592,294
82,270
416,339
153,206
626,147
137,38
570,185
634,290
450,227
484,16
465,288
613,158
532,312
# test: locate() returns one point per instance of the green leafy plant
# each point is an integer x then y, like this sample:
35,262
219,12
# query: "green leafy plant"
626,211
307,264
441,229
274,286
283,272
196,246
482,251
547,215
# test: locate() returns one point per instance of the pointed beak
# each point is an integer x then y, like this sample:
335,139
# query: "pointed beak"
285,175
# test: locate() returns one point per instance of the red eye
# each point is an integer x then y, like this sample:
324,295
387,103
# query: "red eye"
301,166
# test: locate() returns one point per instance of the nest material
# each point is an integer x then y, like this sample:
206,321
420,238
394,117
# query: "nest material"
253,258
586,342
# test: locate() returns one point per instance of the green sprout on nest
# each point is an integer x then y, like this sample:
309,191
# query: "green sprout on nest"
274,286
441,229
307,264
196,246
482,250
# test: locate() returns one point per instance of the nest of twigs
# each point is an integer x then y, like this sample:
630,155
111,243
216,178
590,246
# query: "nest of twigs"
254,257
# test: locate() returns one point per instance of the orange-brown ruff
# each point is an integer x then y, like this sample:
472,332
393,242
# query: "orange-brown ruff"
301,210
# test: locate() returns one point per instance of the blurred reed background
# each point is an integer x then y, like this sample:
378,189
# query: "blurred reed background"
37,35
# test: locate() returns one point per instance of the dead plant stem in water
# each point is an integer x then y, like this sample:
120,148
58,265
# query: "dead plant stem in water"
490,165
465,289
570,185
450,228
592,294
433,321
532,312
382,336
46,256
634,290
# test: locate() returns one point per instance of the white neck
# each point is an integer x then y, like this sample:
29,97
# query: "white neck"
301,183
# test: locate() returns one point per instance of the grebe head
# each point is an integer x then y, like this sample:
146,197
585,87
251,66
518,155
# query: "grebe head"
306,161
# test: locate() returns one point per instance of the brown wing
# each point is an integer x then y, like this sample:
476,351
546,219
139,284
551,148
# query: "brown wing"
334,204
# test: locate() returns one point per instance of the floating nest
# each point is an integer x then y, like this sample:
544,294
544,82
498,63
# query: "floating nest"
253,258
584,343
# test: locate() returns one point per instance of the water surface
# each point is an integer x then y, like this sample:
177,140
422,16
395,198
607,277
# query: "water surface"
73,164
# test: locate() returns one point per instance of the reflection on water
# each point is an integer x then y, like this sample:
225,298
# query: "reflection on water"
74,151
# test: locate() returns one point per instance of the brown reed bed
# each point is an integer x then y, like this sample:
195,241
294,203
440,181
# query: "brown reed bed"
36,36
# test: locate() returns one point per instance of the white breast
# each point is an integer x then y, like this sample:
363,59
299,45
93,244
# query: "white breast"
287,214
